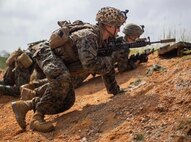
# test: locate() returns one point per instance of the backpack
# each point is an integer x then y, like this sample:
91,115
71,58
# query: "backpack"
61,36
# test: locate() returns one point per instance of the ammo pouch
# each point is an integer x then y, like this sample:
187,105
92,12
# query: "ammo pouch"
59,37
25,60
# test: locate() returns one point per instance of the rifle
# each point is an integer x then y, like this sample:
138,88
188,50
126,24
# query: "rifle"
119,43
36,42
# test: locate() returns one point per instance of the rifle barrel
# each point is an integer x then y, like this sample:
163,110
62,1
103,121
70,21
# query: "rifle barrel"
168,40
164,41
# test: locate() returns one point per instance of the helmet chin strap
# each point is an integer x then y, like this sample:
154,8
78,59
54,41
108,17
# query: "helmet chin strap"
110,34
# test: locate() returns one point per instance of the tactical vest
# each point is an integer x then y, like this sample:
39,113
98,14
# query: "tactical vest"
61,42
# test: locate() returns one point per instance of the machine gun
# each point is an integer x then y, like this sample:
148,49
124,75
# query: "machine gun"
119,43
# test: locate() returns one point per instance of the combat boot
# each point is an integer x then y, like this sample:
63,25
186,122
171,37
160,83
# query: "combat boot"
39,124
27,94
20,109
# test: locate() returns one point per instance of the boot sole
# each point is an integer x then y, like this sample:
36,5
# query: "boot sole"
15,110
51,128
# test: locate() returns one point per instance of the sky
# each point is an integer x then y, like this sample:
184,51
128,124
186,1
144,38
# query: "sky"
26,21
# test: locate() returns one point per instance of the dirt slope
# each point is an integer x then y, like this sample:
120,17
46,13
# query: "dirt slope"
155,108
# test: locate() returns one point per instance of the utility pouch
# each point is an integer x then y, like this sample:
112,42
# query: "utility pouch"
13,56
25,60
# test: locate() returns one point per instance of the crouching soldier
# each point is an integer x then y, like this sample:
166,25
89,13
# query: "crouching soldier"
20,67
8,84
59,95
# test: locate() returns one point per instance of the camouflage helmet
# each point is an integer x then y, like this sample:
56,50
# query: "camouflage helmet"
111,16
133,30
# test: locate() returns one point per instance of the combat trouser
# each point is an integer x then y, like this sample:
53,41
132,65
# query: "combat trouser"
9,76
59,95
77,80
9,90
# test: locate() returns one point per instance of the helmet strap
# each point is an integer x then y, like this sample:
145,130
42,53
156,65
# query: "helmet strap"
110,34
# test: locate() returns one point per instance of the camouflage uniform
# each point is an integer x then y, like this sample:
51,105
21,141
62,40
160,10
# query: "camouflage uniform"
121,59
121,56
54,64
59,77
59,94
7,84
38,87
17,75
8,77
14,77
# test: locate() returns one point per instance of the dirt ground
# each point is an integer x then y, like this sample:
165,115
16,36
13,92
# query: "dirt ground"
154,108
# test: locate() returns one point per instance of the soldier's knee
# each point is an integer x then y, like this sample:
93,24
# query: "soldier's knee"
61,83
65,77
65,81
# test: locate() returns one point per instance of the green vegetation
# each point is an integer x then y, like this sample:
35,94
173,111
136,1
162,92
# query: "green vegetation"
139,137
186,57
2,62
142,49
